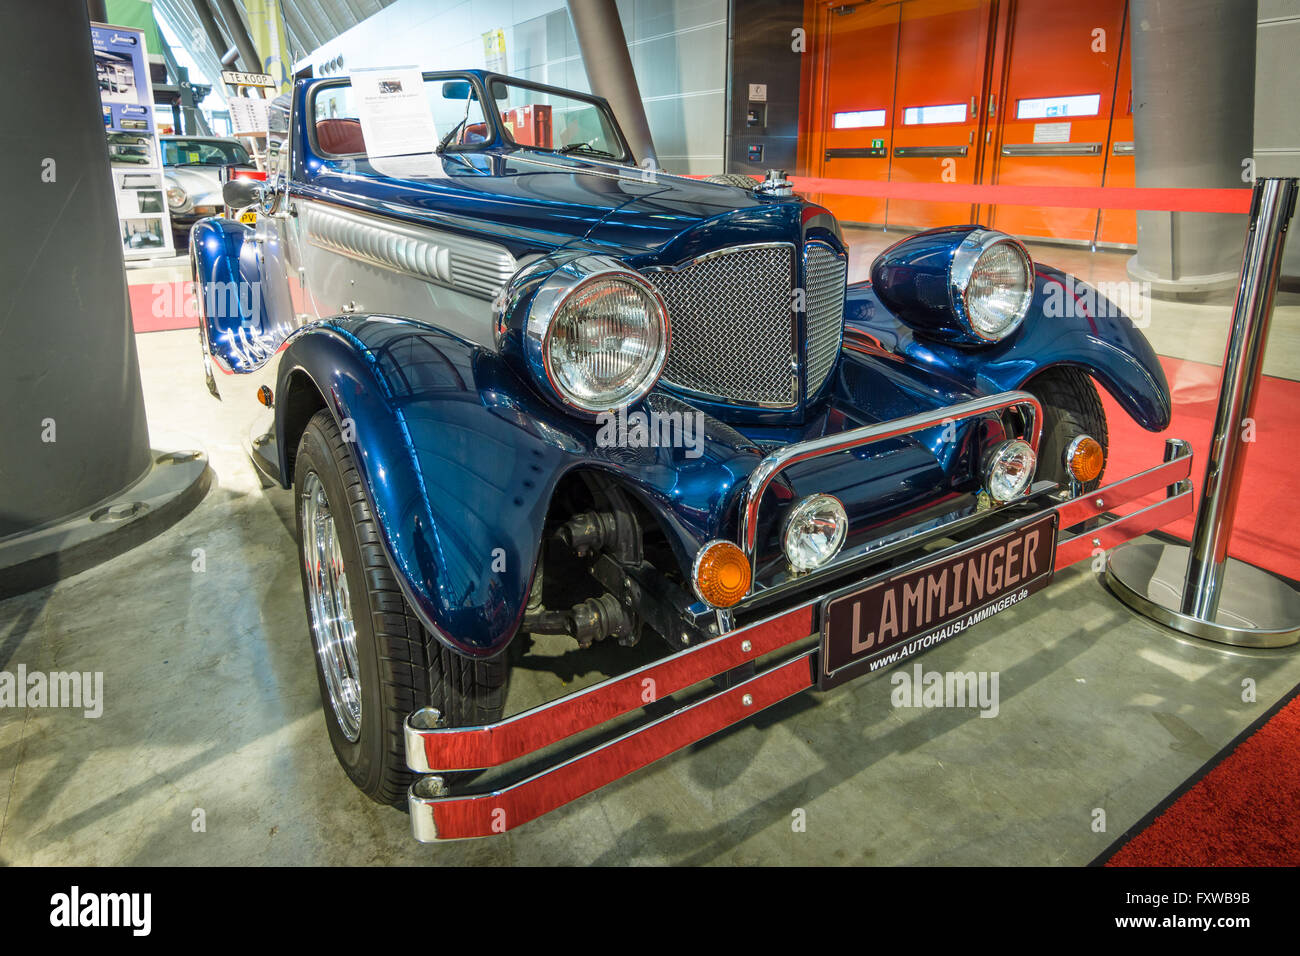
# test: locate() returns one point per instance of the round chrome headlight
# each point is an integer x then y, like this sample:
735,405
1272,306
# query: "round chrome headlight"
176,196
992,283
1009,470
599,334
814,531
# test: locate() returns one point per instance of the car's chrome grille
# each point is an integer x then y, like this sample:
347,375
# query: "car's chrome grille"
826,272
733,325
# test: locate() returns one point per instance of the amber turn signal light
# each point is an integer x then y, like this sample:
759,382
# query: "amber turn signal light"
721,574
1085,458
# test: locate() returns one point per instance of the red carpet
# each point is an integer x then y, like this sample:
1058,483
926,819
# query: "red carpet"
1266,528
162,306
1244,812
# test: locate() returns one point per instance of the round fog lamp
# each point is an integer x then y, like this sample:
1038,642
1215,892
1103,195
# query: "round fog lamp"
721,574
1085,458
814,531
1009,471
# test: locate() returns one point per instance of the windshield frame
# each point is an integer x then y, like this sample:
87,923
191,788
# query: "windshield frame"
309,112
598,102
482,84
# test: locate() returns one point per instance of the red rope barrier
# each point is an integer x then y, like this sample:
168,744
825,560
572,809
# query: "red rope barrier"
1157,199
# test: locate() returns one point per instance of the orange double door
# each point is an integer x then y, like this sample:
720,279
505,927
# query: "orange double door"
902,103
1015,92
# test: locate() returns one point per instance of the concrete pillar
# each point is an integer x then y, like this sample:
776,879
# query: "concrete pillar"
68,366
1193,126
609,70
79,482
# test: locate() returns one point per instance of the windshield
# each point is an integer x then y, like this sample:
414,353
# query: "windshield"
202,152
554,121
454,107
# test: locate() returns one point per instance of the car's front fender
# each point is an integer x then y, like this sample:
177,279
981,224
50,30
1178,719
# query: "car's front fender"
460,460
1068,324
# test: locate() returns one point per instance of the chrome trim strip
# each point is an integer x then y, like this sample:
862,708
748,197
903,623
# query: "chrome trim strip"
1051,149
811,340
762,476
477,268
724,251
904,152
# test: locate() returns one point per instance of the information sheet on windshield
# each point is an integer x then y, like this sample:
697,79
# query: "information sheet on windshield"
396,120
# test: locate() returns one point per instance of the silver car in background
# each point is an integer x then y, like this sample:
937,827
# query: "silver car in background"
192,169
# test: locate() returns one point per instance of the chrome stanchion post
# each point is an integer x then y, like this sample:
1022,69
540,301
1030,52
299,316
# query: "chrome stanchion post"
1272,206
1198,589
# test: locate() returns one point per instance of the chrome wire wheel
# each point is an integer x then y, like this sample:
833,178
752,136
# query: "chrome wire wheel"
333,630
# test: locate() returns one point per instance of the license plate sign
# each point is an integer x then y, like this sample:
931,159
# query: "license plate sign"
248,217
888,620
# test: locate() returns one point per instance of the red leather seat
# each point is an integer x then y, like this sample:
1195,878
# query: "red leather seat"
340,136
475,133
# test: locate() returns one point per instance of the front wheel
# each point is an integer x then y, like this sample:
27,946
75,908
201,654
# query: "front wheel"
375,662
1071,407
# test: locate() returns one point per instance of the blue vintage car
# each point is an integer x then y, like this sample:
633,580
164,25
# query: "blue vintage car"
520,384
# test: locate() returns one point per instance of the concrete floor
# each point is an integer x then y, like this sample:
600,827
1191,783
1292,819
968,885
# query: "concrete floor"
212,705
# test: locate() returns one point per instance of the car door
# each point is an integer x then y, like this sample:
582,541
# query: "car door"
275,239
354,257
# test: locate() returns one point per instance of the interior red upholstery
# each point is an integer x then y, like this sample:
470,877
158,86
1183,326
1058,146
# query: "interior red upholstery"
340,136
475,133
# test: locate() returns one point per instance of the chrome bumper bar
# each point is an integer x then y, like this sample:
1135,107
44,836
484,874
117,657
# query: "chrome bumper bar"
769,468
432,748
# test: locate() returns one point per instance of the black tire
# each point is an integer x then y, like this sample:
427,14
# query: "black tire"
1071,407
732,179
402,666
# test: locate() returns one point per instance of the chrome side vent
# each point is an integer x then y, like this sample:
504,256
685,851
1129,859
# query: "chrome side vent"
825,277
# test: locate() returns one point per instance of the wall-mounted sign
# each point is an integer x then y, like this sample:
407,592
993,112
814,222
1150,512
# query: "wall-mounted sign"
494,51
1051,132
248,115
758,92
247,79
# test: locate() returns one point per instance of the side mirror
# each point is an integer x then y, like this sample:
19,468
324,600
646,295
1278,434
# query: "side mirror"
239,193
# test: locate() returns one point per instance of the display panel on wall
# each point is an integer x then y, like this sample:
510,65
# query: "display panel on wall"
126,98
